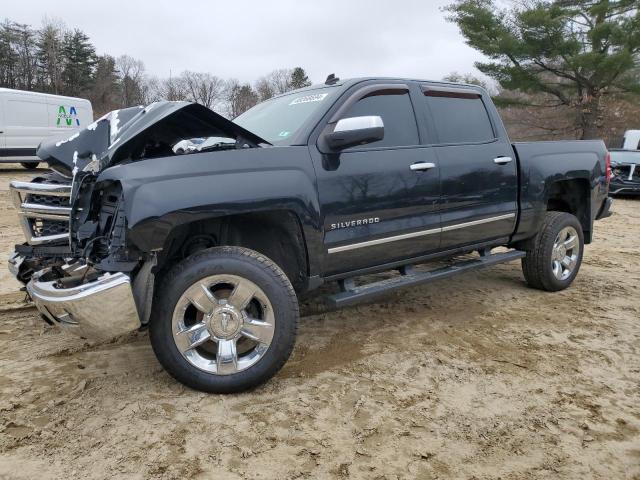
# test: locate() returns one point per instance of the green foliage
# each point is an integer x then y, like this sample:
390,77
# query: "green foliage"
575,50
299,78
79,57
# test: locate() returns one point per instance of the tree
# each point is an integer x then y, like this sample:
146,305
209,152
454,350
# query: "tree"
264,89
79,59
574,50
17,56
299,78
467,78
105,93
8,56
131,74
203,88
274,83
49,55
239,98
173,89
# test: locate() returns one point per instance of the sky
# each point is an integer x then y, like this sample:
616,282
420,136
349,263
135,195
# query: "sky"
247,39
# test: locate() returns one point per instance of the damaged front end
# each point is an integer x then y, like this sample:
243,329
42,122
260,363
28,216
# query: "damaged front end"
79,267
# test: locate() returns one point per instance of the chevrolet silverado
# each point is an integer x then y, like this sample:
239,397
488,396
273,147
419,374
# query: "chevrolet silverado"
210,248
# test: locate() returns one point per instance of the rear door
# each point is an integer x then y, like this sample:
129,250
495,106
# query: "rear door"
375,207
478,168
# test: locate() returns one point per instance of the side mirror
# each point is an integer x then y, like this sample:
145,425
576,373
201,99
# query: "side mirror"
349,132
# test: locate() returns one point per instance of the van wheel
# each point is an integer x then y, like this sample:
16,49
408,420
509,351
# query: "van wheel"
224,320
30,165
555,255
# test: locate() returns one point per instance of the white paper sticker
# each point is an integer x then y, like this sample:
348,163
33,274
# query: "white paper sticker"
318,97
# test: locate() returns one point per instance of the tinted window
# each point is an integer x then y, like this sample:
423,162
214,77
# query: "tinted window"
460,120
397,115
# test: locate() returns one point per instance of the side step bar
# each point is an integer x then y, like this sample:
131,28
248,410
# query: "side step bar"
352,294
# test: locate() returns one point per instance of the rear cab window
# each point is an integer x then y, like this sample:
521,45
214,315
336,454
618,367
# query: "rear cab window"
459,116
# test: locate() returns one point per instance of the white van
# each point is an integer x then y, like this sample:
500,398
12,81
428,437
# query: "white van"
28,118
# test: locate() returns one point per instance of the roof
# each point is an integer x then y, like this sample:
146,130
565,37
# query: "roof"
347,82
40,94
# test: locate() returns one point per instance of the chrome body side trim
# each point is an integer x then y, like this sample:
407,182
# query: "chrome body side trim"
448,228
395,238
379,241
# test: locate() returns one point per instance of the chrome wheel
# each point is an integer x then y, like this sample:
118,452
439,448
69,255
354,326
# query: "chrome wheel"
223,324
565,253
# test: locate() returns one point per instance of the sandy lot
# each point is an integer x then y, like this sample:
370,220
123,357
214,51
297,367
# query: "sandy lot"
476,377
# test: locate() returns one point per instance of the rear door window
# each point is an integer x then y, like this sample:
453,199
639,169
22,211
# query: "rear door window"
459,118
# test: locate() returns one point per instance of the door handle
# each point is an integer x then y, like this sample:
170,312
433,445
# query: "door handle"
502,160
421,166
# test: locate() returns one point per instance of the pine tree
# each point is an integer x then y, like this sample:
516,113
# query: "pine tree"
299,78
79,61
105,91
575,50
49,56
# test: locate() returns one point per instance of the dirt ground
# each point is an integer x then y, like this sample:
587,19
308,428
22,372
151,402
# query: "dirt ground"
475,377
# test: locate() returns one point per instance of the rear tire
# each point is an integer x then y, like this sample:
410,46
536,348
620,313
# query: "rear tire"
30,165
555,254
240,327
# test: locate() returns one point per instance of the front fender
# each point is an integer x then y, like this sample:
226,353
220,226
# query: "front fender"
163,193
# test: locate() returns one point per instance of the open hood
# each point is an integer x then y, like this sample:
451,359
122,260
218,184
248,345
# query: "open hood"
132,133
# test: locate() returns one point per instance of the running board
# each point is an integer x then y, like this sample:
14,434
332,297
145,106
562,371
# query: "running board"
352,294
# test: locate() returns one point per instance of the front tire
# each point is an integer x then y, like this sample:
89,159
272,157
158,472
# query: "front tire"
225,320
555,254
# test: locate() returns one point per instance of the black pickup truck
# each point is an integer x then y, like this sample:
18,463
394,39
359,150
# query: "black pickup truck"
210,248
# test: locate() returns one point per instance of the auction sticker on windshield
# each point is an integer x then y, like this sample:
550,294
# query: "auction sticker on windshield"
318,97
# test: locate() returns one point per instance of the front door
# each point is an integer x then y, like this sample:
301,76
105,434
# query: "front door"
377,209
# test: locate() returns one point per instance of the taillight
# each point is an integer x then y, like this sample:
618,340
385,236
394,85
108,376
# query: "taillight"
607,166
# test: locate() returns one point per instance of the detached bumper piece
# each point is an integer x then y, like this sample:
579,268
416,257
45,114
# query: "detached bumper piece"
97,310
44,210
605,210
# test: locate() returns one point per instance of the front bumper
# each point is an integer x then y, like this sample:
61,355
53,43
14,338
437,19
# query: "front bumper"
620,186
98,310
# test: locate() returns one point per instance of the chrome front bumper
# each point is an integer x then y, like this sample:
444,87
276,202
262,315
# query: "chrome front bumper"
96,310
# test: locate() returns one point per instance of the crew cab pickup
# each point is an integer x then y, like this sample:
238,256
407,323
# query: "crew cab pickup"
209,249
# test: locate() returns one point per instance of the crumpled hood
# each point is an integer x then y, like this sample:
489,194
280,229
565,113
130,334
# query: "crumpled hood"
115,135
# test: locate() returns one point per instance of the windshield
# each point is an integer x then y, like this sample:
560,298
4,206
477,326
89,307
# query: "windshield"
276,120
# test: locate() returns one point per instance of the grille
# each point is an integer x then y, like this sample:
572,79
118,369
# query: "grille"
44,210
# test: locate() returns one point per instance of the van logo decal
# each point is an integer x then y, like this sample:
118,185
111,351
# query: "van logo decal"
68,118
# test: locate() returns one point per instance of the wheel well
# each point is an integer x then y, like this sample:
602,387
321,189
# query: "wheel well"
572,196
275,234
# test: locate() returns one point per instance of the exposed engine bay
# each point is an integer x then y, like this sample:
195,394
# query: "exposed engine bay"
75,221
